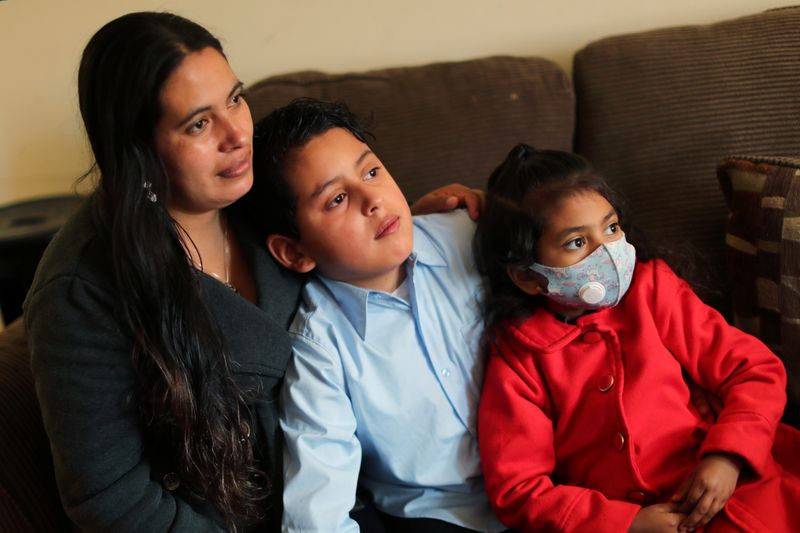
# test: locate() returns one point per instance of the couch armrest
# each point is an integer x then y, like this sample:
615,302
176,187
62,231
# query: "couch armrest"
28,496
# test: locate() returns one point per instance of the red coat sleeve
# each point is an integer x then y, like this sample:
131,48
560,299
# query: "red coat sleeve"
740,369
515,432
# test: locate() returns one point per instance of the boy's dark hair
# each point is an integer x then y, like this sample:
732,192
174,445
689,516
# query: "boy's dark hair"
521,194
272,203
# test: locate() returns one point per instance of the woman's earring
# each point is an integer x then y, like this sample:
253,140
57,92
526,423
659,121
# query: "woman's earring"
150,194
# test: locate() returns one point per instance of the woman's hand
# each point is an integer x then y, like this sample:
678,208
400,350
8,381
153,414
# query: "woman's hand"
707,488
658,518
448,198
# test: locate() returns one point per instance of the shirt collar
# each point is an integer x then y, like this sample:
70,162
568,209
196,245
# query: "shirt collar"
354,300
426,251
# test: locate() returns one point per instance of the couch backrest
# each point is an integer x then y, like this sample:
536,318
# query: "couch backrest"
446,122
657,110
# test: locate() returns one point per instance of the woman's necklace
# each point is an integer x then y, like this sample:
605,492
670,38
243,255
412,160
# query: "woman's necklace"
226,252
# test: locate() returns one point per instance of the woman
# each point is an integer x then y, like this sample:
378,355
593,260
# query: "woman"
157,319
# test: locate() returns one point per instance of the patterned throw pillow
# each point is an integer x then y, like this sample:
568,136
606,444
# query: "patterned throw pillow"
763,245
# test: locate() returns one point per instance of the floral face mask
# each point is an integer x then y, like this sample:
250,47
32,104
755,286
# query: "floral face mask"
599,280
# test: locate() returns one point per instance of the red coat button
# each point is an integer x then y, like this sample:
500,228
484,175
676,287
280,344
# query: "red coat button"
605,382
619,441
591,337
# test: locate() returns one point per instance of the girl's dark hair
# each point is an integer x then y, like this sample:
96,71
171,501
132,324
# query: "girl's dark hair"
189,405
271,203
521,193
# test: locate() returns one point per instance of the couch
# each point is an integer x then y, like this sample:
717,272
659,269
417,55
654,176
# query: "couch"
698,127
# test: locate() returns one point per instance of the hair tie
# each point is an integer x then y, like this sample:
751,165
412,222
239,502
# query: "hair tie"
149,194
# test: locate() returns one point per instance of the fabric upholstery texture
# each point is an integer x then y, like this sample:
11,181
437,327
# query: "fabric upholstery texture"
28,495
446,122
763,246
656,110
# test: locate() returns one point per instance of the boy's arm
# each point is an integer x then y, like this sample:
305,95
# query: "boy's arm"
322,454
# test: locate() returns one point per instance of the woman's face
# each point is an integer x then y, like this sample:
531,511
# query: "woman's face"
204,136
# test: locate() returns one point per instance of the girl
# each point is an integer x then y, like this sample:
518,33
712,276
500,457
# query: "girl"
585,422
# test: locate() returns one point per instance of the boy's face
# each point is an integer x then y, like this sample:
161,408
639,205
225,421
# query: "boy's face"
354,222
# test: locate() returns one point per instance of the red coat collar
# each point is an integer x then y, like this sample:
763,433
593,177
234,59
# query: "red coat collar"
544,332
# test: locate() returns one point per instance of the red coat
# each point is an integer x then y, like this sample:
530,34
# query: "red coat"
580,425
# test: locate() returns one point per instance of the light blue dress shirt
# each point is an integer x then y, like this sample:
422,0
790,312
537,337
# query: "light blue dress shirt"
384,392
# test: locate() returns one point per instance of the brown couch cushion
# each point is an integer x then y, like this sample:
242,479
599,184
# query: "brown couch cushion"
657,110
446,122
28,496
763,244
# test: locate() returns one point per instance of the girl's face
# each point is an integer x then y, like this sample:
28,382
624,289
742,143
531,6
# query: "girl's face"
205,133
576,227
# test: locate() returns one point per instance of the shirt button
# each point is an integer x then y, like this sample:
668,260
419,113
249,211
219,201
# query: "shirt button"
619,441
605,382
637,496
171,481
446,372
591,337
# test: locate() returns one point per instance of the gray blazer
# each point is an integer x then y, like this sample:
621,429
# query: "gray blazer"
81,364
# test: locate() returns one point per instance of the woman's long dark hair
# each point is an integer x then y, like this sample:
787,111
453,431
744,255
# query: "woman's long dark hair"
520,195
189,404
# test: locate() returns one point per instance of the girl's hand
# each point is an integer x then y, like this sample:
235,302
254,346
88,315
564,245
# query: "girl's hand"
658,518
707,489
448,198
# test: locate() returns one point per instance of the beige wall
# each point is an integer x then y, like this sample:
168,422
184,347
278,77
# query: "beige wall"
42,148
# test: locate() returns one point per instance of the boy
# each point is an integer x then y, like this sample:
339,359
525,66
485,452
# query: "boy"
383,387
